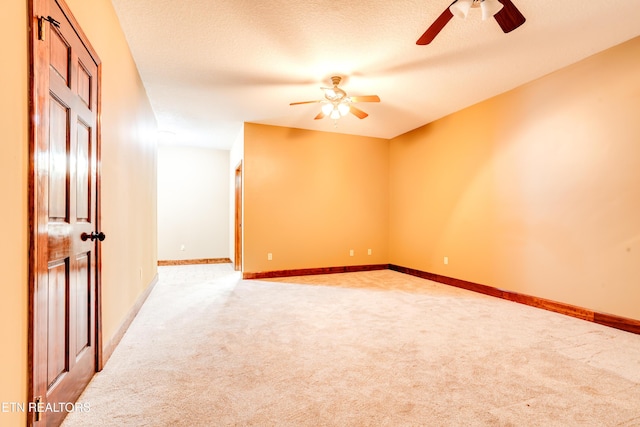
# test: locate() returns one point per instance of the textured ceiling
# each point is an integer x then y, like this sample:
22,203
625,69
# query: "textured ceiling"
210,65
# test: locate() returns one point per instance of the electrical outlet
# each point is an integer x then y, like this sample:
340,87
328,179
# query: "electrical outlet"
350,252
269,256
368,251
446,260
182,247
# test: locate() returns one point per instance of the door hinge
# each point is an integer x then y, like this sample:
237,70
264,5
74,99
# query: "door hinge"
38,404
41,27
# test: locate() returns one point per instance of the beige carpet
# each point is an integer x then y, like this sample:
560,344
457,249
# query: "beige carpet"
361,349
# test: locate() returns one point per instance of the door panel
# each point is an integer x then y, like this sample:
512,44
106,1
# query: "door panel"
84,85
64,197
82,306
58,165
60,55
83,172
56,322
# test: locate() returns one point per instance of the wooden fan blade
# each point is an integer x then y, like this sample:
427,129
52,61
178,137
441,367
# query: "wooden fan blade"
304,102
509,18
319,116
357,112
436,27
366,98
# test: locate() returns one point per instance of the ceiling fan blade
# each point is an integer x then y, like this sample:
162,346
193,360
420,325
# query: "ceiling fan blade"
357,112
436,27
509,18
304,102
366,98
319,116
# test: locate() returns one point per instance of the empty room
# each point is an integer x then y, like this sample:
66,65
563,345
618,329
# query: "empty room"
320,213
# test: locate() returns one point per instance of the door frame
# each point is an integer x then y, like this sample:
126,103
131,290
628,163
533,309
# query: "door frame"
238,235
38,66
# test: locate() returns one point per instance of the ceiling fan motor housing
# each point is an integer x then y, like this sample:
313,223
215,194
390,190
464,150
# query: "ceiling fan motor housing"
335,94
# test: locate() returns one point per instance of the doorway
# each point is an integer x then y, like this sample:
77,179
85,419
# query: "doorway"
237,260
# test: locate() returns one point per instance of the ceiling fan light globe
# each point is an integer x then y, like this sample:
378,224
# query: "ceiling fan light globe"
327,108
461,8
343,109
490,8
335,114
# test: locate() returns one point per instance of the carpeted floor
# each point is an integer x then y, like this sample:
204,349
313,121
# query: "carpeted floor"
374,348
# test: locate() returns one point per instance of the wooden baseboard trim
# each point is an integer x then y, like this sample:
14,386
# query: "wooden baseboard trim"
313,271
195,261
111,345
613,321
618,322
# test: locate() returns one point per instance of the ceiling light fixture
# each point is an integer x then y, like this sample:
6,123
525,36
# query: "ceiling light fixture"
489,8
337,104
336,109
504,12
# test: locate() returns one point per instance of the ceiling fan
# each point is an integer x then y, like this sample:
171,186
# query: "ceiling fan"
504,11
337,104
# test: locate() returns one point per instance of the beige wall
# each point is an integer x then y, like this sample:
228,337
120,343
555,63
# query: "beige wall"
13,193
193,203
535,191
128,185
310,197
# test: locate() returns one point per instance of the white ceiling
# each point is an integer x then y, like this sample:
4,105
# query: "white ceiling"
210,65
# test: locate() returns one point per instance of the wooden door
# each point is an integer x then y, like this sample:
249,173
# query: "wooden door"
64,269
237,260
